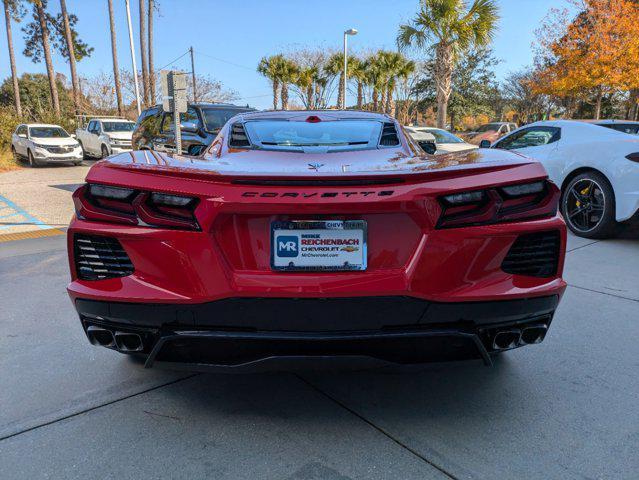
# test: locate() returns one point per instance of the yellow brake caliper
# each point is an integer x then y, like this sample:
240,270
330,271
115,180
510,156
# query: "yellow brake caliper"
585,191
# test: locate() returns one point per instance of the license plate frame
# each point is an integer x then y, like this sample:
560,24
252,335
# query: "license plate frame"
296,228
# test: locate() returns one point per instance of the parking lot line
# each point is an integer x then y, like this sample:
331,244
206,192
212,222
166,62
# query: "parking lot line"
6,203
11,237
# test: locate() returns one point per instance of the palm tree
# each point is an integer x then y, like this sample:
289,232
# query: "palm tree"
305,81
450,27
376,76
114,54
151,69
357,70
10,10
287,72
69,41
143,54
269,67
44,38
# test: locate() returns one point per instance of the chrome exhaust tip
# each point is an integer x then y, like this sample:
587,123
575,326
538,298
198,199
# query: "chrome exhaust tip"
100,336
506,339
533,334
128,342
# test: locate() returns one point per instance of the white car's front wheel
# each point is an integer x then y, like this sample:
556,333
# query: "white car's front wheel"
588,206
32,161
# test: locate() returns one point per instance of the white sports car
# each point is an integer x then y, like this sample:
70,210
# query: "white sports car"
445,141
596,168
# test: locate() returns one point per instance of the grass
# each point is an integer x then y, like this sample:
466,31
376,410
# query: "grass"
7,162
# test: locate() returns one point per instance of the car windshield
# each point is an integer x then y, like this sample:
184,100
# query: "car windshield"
118,126
215,118
489,127
442,136
48,132
350,134
630,128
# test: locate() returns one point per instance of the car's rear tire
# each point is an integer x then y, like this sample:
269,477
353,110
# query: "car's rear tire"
105,151
15,155
588,206
85,155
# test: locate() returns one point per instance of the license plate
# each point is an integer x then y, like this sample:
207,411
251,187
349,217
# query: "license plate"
321,245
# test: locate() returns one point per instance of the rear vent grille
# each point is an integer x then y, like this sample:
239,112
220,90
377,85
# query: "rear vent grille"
389,136
97,258
535,255
239,139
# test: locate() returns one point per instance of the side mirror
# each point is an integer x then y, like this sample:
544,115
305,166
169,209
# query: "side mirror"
189,127
73,135
196,150
429,147
484,144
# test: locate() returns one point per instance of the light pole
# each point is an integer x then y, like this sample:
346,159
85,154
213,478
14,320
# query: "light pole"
350,31
135,69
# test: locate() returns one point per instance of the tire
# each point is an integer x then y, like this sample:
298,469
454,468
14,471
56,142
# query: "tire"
105,151
77,163
85,155
15,155
588,206
33,163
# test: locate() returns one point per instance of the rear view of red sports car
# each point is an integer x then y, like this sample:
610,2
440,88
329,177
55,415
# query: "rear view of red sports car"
316,235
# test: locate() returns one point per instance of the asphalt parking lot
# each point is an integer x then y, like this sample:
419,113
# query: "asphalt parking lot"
567,408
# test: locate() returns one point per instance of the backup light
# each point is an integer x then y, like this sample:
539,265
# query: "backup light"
465,198
524,189
170,200
116,193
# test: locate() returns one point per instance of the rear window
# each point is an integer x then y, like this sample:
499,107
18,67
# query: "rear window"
118,126
215,118
342,134
631,128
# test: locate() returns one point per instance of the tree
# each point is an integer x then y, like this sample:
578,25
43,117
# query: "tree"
114,55
13,10
519,89
287,72
35,95
304,82
69,44
40,31
269,67
450,28
594,54
357,70
143,53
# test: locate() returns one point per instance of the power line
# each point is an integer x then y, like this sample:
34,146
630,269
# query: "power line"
173,61
224,61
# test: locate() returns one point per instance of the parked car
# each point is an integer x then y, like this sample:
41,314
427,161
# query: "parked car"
625,126
596,168
491,132
40,144
105,136
302,235
200,124
445,141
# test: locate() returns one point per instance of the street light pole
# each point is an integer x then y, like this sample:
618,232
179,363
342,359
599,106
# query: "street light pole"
135,68
350,31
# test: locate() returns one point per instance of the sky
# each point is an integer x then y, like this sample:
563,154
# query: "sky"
230,37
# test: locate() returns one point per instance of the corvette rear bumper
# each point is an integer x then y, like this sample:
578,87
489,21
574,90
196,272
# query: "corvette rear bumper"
264,333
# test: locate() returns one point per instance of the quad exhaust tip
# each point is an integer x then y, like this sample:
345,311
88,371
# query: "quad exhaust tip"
506,339
533,334
128,342
100,336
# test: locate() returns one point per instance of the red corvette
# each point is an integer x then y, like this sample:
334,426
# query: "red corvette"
327,235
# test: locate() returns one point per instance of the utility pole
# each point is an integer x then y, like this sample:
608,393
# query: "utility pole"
135,68
350,31
193,76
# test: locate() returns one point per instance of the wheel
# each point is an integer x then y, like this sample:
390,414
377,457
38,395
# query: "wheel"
105,151
588,206
33,163
77,163
15,155
85,155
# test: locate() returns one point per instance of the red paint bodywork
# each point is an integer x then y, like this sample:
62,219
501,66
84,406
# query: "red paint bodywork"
230,256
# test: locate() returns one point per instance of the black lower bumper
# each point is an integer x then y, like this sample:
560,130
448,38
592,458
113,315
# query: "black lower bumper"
245,333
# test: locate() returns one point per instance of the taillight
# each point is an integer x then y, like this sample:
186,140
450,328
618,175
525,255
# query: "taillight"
135,207
499,204
634,157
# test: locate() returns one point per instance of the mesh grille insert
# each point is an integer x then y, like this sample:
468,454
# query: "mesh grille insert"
239,139
97,258
535,255
389,136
